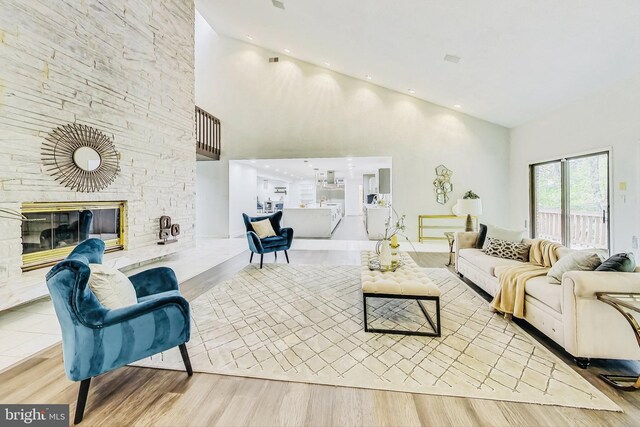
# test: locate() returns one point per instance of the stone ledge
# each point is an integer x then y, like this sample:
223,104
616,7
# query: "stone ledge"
31,285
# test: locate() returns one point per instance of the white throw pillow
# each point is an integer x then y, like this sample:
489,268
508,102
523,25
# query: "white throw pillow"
499,233
575,261
263,228
112,288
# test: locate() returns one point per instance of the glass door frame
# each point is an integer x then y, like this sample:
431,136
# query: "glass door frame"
566,194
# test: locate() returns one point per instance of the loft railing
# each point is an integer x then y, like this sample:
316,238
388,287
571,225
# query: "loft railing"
587,228
208,136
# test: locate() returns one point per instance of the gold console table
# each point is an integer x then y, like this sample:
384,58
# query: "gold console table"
435,227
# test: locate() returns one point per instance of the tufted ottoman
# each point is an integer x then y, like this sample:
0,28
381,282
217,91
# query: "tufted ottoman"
407,282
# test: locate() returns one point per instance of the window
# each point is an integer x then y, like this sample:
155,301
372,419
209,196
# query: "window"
570,201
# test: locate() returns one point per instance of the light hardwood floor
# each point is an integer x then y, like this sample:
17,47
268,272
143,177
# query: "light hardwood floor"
141,397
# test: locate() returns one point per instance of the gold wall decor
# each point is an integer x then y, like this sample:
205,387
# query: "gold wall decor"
442,184
81,157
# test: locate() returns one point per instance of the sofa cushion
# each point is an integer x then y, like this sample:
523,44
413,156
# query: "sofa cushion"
502,234
508,250
271,242
263,228
482,236
576,261
485,262
623,262
111,287
544,291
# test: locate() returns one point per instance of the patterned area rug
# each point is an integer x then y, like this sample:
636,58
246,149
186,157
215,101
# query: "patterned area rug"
303,323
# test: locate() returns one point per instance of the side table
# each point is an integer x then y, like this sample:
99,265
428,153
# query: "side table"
625,303
451,239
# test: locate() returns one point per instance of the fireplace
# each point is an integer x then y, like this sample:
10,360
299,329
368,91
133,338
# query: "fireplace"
52,230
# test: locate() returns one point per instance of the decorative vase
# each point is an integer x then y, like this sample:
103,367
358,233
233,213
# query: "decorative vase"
385,253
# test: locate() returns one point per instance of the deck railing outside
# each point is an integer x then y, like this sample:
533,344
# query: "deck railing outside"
588,230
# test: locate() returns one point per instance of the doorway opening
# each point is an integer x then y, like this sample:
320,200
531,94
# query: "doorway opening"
342,198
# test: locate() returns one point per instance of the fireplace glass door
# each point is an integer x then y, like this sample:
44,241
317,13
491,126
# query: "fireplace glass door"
53,230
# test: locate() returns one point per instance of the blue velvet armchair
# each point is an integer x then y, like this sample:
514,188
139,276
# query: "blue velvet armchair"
96,339
281,242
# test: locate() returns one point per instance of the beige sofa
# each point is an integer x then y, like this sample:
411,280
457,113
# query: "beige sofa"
568,313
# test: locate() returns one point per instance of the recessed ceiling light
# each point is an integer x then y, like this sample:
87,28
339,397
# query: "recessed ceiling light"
249,37
253,161
349,160
452,58
267,166
368,76
287,51
411,91
277,170
457,106
327,64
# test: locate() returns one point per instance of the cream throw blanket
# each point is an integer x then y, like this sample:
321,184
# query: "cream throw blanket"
513,279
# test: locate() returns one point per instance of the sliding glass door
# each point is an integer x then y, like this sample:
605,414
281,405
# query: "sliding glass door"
570,201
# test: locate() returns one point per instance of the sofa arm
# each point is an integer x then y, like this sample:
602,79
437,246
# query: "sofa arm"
465,240
585,284
591,327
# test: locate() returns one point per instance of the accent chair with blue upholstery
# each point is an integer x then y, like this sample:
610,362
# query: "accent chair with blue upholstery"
281,242
96,339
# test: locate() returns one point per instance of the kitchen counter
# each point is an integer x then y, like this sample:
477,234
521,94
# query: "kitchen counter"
313,221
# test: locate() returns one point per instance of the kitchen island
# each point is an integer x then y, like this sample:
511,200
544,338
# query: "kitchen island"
313,221
375,220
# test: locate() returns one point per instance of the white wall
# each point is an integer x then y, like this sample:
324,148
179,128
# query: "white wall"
243,183
609,118
351,196
212,207
292,109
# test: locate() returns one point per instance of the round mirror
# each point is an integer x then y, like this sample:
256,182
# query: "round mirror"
86,158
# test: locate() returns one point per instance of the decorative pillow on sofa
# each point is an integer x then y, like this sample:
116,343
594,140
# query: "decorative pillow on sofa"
625,263
498,233
482,236
112,288
509,250
263,228
575,261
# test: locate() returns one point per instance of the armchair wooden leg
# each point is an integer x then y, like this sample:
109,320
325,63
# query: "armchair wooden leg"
251,259
276,254
83,392
261,258
185,359
287,256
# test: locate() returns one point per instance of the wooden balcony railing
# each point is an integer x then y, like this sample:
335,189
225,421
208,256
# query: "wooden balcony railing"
588,230
208,136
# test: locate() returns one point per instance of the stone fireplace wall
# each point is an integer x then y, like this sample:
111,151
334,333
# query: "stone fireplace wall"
125,67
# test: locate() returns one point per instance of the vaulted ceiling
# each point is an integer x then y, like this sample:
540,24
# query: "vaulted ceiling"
519,59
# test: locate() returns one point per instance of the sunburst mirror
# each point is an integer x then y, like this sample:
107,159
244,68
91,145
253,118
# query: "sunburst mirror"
81,157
